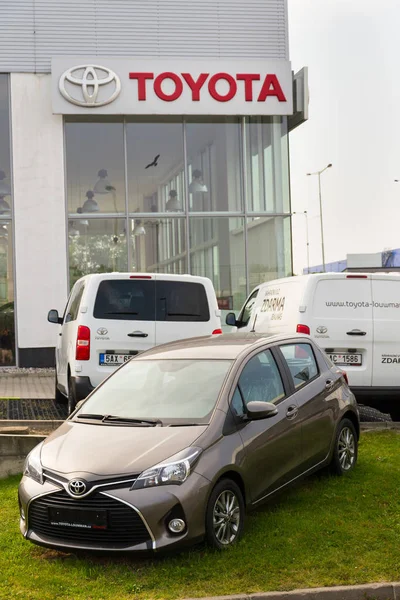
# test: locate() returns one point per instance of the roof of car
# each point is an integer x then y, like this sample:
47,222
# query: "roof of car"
226,346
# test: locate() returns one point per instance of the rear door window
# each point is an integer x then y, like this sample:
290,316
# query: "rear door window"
181,301
126,299
301,362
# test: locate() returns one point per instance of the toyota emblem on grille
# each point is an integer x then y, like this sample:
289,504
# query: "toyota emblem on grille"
102,331
89,86
77,487
322,329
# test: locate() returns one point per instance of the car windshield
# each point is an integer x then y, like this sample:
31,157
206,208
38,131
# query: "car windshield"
175,392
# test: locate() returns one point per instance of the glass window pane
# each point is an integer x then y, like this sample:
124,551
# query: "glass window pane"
214,164
7,331
181,301
158,245
95,166
260,380
155,165
5,162
96,246
217,252
74,302
269,249
301,362
268,165
124,299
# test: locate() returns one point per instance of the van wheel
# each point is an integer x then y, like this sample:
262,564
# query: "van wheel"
346,448
224,515
71,397
59,398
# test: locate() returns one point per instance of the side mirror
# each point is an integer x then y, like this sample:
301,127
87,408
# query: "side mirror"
257,410
231,319
53,317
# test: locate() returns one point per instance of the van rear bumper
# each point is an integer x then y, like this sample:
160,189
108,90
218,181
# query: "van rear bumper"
82,387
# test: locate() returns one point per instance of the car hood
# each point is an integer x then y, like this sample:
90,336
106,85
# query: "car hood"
106,450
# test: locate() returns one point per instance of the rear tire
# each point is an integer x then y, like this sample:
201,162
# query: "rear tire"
224,515
345,451
71,397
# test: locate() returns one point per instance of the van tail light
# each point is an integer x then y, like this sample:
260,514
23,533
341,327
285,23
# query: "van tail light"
217,332
345,377
83,343
303,329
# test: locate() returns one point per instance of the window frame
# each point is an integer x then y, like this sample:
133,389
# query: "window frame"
285,366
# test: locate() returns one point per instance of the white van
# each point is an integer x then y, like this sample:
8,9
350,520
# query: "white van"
354,317
113,316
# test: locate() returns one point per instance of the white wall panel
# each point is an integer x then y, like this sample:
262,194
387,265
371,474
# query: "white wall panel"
39,209
31,33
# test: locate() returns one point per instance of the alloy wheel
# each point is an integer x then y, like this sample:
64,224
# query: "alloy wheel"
346,449
226,517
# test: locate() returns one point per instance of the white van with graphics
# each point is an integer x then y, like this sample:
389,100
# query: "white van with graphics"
354,317
111,317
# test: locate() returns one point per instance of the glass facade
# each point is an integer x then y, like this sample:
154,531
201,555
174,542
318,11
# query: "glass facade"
7,321
207,196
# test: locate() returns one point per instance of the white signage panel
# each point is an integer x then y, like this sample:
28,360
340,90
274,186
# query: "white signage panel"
137,86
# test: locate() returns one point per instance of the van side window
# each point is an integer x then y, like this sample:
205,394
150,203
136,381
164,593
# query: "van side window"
247,310
181,301
260,379
301,362
72,309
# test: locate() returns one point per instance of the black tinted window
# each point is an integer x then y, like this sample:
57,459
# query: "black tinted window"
131,300
181,301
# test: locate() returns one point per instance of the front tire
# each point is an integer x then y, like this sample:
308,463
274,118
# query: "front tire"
224,515
71,397
346,448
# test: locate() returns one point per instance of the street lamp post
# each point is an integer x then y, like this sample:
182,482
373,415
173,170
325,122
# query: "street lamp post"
320,210
305,214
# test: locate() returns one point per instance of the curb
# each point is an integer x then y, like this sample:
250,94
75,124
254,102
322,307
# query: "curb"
371,591
378,426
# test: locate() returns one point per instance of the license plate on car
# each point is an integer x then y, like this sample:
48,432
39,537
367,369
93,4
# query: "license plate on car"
78,517
113,359
346,359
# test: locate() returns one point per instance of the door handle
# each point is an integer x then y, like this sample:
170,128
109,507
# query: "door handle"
138,334
356,332
329,384
291,412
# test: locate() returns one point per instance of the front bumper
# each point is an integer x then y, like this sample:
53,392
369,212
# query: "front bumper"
152,506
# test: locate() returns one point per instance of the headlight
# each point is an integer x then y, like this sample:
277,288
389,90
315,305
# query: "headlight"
33,466
175,470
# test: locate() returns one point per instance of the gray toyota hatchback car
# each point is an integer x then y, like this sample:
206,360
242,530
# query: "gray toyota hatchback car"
181,440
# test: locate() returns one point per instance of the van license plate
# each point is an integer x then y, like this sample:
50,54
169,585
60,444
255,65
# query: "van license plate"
346,359
114,359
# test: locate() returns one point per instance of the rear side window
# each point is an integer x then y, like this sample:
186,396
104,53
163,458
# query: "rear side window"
150,300
181,301
301,362
71,312
126,299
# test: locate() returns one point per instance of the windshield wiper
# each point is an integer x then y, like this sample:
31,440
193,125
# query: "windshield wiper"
117,419
121,312
188,424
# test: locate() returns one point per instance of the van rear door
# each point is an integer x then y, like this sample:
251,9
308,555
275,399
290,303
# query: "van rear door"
123,321
386,363
341,323
183,310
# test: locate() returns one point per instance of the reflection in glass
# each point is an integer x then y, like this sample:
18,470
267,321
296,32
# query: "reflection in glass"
267,165
155,165
159,245
269,249
7,331
214,165
95,166
96,246
217,252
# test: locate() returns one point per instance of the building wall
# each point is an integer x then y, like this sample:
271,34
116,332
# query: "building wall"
32,32
39,212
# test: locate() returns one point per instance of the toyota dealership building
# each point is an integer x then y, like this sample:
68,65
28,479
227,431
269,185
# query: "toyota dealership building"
140,136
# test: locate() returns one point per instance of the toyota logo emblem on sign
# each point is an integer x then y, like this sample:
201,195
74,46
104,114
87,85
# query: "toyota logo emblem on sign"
90,85
77,487
322,329
102,331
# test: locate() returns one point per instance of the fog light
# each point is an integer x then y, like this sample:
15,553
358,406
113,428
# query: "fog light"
176,525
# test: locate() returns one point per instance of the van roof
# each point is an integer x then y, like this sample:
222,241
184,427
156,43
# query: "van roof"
134,275
334,275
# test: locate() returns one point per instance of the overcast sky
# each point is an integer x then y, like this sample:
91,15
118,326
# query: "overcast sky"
352,49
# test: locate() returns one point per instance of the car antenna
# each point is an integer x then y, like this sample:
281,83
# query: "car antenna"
254,324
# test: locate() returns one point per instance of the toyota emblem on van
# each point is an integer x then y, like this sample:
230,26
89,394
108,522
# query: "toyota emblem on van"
322,329
102,331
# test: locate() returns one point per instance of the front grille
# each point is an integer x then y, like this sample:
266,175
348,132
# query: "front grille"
125,527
